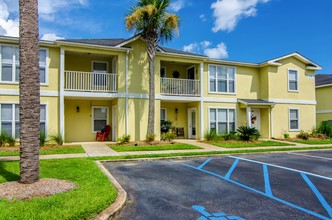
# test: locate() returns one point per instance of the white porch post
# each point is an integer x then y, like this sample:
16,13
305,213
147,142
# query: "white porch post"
61,94
127,81
248,116
271,122
202,101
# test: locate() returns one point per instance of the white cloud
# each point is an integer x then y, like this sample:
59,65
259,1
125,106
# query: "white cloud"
228,13
8,27
51,37
218,52
202,17
176,5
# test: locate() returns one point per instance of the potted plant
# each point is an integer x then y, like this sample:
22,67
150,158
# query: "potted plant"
176,74
165,126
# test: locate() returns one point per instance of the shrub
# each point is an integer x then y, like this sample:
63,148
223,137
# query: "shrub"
286,136
231,136
168,136
150,137
165,125
10,140
124,139
211,135
247,133
314,133
42,139
57,138
3,138
325,128
303,135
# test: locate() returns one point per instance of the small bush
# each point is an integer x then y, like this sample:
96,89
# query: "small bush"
247,133
150,137
42,139
3,139
124,139
314,133
57,138
10,140
303,135
211,135
231,136
325,128
286,136
169,136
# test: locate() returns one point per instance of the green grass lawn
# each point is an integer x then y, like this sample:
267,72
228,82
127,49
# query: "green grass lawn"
93,194
5,151
176,146
313,142
240,144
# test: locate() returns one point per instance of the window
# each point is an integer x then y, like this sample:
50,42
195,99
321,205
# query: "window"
221,79
10,119
10,64
294,119
100,69
222,120
100,118
292,80
163,114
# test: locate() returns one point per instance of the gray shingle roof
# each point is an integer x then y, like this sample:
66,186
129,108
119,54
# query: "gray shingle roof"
169,50
102,42
323,79
255,102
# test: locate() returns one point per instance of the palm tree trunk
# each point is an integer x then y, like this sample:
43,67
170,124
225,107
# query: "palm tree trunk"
29,92
151,45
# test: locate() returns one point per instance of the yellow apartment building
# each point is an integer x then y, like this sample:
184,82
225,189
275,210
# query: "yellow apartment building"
324,97
88,83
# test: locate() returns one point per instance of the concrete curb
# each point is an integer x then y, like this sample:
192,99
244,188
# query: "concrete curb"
120,200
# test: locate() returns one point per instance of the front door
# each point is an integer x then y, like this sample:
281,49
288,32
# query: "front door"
256,119
192,123
114,123
191,82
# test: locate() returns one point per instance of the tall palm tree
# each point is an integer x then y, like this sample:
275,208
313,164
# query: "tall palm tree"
29,91
151,21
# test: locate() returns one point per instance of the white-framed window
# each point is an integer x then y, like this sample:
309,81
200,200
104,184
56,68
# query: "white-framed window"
221,79
99,66
99,118
10,64
293,82
163,114
10,119
162,71
294,122
222,120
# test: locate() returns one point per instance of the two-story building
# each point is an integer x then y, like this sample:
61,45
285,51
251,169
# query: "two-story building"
88,83
324,97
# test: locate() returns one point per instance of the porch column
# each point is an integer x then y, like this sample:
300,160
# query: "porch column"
271,122
248,116
61,94
202,101
127,81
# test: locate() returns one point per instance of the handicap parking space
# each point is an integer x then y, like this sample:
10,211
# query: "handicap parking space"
227,187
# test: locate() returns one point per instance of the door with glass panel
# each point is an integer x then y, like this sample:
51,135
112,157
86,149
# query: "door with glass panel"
192,123
100,80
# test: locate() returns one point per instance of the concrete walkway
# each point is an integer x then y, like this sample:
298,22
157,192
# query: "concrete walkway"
100,149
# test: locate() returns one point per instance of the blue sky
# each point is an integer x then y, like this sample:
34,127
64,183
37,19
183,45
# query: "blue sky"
241,30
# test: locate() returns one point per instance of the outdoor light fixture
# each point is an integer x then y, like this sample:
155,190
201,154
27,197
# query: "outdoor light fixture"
176,110
77,109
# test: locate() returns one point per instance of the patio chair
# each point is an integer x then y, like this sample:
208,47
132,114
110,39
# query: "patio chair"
104,133
180,132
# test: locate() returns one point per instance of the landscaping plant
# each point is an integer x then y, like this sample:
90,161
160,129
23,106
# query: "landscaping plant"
124,139
303,135
168,136
325,128
231,136
3,139
10,141
57,138
42,139
211,135
150,137
247,133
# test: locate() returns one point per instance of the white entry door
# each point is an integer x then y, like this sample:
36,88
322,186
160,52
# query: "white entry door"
256,119
114,120
192,121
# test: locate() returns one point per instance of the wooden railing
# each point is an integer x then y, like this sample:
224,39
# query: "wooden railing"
90,81
180,87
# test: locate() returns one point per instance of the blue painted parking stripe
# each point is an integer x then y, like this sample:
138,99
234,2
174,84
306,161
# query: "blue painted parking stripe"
268,190
230,171
261,193
203,164
281,167
318,194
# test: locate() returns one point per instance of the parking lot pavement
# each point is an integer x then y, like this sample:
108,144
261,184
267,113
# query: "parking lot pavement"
259,186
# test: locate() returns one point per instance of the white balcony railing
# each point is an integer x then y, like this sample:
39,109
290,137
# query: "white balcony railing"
180,87
90,81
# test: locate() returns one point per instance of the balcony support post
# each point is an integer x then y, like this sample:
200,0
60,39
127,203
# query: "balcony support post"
61,94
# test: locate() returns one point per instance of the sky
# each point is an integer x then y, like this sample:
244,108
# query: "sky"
239,30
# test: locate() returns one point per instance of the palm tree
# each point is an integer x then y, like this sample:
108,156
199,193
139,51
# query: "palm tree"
151,21
29,91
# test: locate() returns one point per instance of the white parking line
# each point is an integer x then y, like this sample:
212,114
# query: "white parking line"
306,155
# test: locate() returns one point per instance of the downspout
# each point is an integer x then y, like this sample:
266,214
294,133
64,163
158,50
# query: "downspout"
61,94
127,85
202,101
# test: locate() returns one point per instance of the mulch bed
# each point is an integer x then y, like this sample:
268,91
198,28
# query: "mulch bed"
47,147
145,143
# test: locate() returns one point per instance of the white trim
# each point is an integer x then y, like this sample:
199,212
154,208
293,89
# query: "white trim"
271,123
253,104
326,85
235,116
297,80
126,94
62,94
15,92
92,94
128,41
189,111
248,115
165,113
47,66
290,101
176,98
324,111
202,125
220,100
227,80
93,117
298,119
114,122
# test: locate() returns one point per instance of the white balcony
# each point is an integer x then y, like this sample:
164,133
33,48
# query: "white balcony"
180,87
90,82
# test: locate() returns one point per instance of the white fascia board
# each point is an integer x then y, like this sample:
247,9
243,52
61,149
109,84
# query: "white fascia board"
128,41
322,86
92,46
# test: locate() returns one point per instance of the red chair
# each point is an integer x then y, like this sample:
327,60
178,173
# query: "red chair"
104,135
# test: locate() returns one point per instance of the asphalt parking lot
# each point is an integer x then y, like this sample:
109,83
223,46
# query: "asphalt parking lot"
253,186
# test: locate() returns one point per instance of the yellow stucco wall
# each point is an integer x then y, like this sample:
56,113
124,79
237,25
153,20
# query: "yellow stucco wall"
324,103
